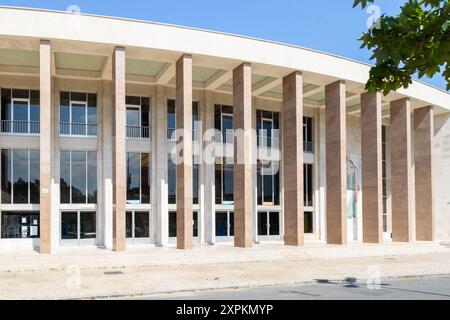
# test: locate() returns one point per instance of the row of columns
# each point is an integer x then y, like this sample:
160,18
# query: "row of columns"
402,179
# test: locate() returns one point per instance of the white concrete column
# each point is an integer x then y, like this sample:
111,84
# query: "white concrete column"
209,168
160,209
106,154
45,138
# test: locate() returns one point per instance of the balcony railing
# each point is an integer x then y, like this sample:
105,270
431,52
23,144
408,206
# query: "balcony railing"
269,140
171,135
78,129
138,132
14,127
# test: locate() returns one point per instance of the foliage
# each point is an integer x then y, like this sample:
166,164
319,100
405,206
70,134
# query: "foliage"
415,42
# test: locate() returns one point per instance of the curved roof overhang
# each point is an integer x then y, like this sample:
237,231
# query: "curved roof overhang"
97,35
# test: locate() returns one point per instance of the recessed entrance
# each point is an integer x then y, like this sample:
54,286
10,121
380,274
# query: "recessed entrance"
78,228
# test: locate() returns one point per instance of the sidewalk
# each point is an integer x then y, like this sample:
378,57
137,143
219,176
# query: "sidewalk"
145,270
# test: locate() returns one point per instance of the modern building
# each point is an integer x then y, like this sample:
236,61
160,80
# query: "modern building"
89,107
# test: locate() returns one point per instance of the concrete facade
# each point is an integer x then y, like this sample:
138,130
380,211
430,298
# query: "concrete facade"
333,143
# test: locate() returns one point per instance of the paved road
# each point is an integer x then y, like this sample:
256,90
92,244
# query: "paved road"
437,287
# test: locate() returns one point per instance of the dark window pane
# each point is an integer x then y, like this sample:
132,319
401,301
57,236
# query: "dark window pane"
231,214
217,117
227,184
172,224
195,177
218,184
172,181
20,224
308,222
133,116
129,224
6,108
145,178
145,112
195,223
78,177
274,224
133,100
6,175
64,181
259,187
34,111
133,177
171,122
276,184
87,225
69,225
20,176
92,176
64,109
78,96
92,108
141,225
34,176
221,224
78,114
262,223
21,94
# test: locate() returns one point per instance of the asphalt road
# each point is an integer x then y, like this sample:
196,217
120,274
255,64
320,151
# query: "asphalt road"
421,288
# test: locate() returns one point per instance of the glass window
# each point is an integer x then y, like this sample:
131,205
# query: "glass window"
308,185
195,223
20,224
308,222
133,177
69,225
274,223
77,225
172,180
262,223
92,176
221,224
78,113
138,178
6,174
22,107
227,184
141,224
64,181
307,134
172,224
34,176
87,225
20,176
129,224
145,178
195,183
78,176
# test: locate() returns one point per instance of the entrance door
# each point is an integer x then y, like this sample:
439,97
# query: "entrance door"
138,227
78,228
269,225
224,225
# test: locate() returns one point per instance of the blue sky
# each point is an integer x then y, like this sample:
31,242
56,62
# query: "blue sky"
327,25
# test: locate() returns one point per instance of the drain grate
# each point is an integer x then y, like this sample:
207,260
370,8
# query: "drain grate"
112,272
